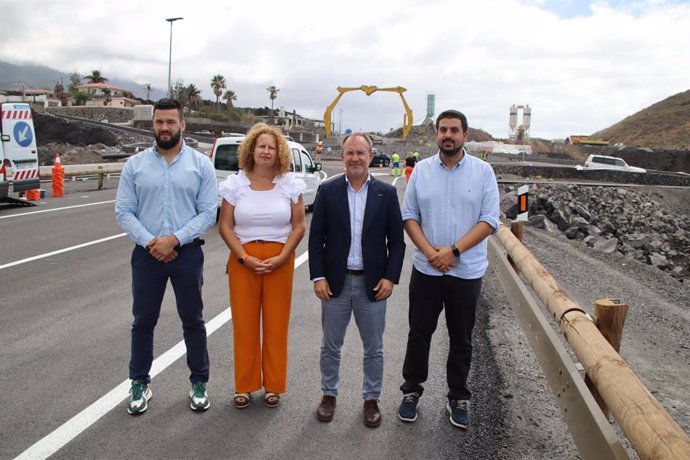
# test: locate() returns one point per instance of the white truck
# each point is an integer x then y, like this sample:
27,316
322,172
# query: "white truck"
18,151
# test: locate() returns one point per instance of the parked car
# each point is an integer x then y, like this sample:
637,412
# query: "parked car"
225,160
190,141
376,140
610,163
380,159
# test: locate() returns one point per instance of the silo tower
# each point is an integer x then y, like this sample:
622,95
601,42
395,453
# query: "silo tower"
526,120
520,131
512,120
430,109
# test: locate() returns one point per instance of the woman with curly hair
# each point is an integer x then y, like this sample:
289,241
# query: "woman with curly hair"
262,221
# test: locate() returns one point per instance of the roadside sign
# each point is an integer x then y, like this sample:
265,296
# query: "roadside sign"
523,206
23,134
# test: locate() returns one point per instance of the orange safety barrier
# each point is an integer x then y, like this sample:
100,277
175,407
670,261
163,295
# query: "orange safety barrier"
33,195
58,176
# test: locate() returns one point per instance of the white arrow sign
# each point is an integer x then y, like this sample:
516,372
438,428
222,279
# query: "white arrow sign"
23,134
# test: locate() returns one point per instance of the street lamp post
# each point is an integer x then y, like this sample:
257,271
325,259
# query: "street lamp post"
170,20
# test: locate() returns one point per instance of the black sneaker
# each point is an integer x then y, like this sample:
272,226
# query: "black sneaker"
459,411
140,393
408,407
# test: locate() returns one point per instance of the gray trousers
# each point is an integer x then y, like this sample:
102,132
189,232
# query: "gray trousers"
370,318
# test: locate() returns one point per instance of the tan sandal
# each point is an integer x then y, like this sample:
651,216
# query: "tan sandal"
242,400
271,399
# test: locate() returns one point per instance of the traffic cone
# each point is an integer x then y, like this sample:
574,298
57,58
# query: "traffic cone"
58,177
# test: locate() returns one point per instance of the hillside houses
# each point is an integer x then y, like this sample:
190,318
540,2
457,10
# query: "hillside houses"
101,95
107,95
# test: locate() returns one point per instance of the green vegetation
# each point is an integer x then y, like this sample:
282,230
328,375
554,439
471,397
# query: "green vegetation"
218,85
96,77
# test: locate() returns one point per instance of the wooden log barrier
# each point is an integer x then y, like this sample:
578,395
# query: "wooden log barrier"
610,317
650,429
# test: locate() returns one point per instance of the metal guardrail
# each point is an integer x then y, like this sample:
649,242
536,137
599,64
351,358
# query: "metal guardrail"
100,124
143,132
45,172
591,432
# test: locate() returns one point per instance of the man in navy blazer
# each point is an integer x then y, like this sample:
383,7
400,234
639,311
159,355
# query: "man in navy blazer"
356,252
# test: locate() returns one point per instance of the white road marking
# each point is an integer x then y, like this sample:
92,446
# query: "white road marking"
56,209
60,251
73,427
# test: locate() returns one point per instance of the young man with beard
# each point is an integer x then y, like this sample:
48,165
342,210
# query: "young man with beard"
166,200
451,205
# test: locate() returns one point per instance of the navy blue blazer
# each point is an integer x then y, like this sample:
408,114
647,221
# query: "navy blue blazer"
383,243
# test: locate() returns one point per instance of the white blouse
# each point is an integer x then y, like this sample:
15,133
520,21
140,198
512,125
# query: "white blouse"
262,215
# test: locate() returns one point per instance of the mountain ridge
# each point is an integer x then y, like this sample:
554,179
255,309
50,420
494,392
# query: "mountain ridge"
14,77
664,124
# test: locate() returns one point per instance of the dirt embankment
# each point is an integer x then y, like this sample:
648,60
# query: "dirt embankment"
77,143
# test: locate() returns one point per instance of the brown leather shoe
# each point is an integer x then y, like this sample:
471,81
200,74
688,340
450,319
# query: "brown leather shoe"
372,414
326,409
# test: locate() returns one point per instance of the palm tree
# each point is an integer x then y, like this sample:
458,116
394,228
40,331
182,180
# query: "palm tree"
273,93
96,77
148,89
230,96
193,95
218,85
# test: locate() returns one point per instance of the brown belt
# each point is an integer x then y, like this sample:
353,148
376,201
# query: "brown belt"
354,272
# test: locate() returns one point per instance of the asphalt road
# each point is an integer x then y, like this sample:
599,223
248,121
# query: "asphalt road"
65,349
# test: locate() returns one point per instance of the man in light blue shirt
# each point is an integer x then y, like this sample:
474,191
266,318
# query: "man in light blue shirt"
451,205
166,200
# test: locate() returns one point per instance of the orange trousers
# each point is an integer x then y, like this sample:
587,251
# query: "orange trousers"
260,307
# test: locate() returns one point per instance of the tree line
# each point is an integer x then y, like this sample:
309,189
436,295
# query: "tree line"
189,95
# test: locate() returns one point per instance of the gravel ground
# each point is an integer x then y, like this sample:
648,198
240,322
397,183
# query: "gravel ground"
655,340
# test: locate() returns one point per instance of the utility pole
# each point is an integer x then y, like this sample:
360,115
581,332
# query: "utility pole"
170,20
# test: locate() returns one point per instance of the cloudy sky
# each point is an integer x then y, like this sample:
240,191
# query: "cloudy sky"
580,65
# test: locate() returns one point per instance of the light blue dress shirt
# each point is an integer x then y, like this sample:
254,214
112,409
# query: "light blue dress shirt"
447,203
155,198
357,201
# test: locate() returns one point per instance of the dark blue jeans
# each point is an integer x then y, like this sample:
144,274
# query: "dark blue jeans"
428,296
149,281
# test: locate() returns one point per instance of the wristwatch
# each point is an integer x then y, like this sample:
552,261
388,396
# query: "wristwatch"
456,251
243,258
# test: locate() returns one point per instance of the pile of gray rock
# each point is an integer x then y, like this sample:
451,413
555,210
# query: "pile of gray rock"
630,221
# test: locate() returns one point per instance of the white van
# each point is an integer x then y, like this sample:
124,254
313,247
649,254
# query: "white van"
4,183
19,146
224,157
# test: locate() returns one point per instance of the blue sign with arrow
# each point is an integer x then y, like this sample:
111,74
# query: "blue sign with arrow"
23,134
